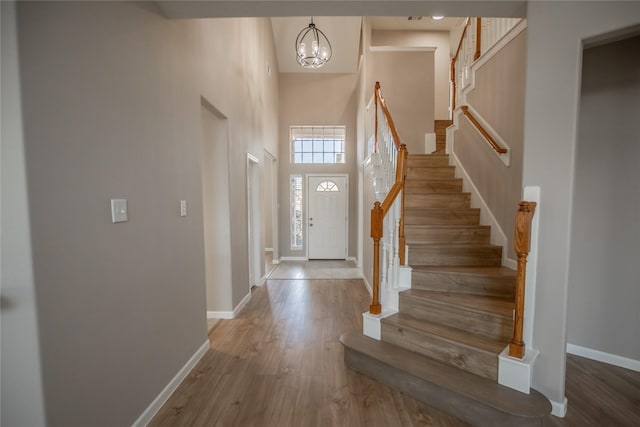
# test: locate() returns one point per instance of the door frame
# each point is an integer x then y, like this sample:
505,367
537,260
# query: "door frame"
306,208
253,222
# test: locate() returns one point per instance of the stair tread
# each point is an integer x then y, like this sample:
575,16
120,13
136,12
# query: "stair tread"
489,271
449,226
455,245
426,156
441,193
472,386
458,336
477,303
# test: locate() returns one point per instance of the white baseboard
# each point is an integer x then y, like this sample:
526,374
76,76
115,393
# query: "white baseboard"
559,409
275,262
352,258
294,258
229,314
164,395
486,216
268,249
601,356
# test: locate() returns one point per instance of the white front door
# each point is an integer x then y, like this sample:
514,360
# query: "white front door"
327,219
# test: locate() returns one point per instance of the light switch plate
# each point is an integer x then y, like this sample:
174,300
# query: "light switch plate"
183,208
119,212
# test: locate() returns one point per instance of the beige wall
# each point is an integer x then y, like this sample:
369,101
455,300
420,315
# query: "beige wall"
421,39
235,80
555,32
605,236
499,98
317,99
407,81
111,98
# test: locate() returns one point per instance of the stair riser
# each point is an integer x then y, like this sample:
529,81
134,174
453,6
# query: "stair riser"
440,186
464,284
438,200
475,235
432,172
454,354
472,411
492,326
446,217
454,256
428,161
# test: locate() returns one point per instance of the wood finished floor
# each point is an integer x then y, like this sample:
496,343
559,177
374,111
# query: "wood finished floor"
280,363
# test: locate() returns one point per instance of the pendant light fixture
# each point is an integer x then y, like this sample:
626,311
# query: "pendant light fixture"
313,49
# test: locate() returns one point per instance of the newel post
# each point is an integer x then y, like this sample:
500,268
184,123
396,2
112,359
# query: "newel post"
402,170
376,233
522,246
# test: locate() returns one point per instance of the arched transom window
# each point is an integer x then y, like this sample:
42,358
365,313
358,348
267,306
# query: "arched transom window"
327,186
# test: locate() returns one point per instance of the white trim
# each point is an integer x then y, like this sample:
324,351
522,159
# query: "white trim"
559,409
252,158
516,373
486,216
268,249
371,325
381,48
601,356
253,223
275,261
229,314
164,395
293,258
352,258
220,315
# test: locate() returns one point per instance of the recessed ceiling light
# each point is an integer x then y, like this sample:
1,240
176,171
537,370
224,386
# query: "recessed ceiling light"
437,17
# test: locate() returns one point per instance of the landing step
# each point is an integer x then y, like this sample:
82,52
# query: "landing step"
473,399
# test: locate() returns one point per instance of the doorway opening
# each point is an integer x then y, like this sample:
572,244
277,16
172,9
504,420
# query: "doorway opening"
254,205
216,211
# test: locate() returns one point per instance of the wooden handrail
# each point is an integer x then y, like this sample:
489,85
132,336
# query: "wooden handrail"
380,210
522,245
476,55
482,130
385,110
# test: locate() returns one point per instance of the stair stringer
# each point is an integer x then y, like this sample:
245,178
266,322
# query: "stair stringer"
513,373
498,237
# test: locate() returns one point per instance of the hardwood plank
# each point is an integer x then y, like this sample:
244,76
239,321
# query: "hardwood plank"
229,379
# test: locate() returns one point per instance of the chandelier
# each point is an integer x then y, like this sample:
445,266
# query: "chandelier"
313,49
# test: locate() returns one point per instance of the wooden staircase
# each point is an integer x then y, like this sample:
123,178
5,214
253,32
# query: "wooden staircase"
458,315
440,129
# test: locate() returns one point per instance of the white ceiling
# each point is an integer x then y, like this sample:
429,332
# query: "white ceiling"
403,23
343,33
